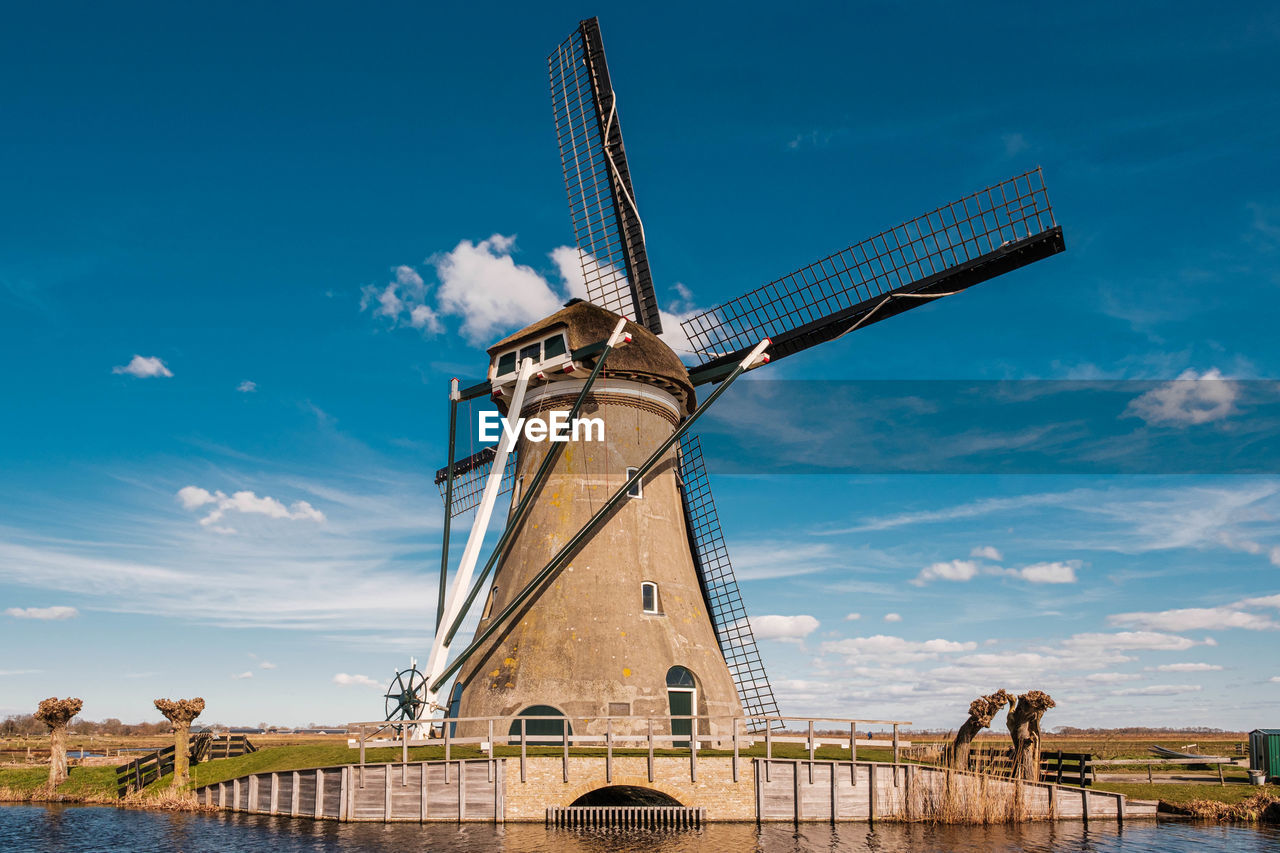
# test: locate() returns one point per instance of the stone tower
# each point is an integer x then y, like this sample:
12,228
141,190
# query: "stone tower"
623,629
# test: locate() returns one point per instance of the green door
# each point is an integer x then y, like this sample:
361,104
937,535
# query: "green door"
681,705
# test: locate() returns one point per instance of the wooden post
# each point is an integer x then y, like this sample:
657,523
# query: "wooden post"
344,794
275,794
768,749
896,759
235,795
295,794
1148,775
608,750
650,749
734,723
1084,804
1221,781
404,756
462,791
319,813
386,794
448,741
564,739
853,753
524,750
491,742
871,793
795,790
422,792
759,790
811,752
835,795
693,749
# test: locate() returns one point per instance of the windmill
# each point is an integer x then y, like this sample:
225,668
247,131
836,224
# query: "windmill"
609,591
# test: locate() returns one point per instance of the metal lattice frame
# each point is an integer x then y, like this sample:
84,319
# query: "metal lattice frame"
602,206
720,587
469,477
956,246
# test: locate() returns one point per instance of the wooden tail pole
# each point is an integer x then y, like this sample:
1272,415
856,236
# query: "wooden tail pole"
454,396
471,553
754,358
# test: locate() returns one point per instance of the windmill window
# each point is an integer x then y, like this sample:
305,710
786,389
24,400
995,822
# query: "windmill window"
533,351
488,604
649,597
553,347
636,490
506,363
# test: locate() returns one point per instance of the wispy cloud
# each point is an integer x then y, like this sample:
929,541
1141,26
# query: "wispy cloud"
345,680
1190,399
194,497
144,367
247,387
43,613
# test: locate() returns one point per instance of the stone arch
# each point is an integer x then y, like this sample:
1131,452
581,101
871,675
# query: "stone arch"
626,795
577,792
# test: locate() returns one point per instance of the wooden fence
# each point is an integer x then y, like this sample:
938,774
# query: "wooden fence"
142,771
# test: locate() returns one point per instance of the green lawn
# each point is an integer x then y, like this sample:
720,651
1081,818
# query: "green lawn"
1181,793
84,784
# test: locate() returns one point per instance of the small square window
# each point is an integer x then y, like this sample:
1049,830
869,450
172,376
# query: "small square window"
506,363
553,347
533,351
637,488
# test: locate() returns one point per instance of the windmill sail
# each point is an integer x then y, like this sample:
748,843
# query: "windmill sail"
602,204
720,587
981,236
469,477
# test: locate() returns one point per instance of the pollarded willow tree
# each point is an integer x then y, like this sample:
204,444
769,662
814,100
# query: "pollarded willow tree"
981,712
181,712
1024,727
56,714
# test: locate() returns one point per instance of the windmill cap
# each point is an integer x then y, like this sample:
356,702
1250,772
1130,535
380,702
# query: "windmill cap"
645,359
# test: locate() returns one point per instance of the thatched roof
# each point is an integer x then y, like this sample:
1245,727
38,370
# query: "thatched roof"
646,358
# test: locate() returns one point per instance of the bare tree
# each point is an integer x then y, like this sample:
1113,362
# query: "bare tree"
1024,728
180,712
981,712
56,713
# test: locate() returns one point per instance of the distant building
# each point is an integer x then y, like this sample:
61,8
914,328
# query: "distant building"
1264,752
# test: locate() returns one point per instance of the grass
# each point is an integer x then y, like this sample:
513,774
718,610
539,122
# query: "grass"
83,785
1180,794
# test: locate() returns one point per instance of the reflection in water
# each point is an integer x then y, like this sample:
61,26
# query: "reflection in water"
81,829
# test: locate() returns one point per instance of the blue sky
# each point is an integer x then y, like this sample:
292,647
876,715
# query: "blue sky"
265,195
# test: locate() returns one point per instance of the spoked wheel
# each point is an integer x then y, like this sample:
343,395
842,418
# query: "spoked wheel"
406,697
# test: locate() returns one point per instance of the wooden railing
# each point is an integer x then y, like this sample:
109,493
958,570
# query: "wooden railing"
145,769
681,734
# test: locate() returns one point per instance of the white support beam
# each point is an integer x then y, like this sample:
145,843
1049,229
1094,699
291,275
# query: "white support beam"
471,553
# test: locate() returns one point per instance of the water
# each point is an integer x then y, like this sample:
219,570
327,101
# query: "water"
88,829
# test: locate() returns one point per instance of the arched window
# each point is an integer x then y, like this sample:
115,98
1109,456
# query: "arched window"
649,597
678,676
541,731
637,488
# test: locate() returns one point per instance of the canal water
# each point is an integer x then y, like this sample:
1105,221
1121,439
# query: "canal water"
88,829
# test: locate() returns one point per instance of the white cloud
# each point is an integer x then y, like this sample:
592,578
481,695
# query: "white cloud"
490,292
951,570
986,552
787,628
246,502
1112,677
1188,667
144,367
1128,641
768,560
852,617
883,649
248,673
1275,679
345,680
1057,572
43,613
247,387
266,664
569,261
893,617
1190,399
1196,619
1158,690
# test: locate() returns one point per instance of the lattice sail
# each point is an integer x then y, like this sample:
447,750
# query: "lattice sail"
602,204
961,244
720,587
469,477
